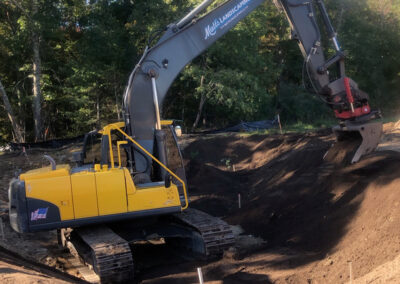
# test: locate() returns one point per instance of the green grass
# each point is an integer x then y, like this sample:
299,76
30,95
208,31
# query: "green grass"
297,127
300,127
303,127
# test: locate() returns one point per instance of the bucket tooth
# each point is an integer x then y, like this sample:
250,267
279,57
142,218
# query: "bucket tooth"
354,140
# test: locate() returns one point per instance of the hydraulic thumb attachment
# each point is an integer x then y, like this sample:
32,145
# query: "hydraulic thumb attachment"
359,130
353,141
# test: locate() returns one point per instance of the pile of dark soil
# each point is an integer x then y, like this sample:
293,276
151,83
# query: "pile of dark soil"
310,211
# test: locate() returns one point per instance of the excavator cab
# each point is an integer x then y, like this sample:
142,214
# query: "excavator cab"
95,149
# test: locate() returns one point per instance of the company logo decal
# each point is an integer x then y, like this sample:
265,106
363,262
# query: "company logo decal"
40,213
221,22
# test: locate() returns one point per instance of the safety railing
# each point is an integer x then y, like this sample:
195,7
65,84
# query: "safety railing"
117,126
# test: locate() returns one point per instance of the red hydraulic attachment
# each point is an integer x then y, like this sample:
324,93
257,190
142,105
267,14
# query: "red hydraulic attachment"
348,92
354,112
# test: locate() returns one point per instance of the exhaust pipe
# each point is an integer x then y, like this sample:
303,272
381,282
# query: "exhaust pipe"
353,140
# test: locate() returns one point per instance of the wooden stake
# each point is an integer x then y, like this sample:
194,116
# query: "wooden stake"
200,274
279,121
351,272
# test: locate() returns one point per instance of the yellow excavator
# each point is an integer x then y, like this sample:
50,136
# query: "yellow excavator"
109,210
129,182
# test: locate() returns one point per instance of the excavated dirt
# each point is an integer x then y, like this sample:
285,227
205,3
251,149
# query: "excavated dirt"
316,219
16,269
304,220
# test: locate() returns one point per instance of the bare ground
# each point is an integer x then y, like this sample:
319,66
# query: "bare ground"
304,221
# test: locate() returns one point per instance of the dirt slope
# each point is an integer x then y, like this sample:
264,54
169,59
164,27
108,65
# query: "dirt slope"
315,218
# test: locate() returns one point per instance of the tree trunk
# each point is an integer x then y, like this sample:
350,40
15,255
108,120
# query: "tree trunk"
116,97
98,111
202,102
37,94
16,127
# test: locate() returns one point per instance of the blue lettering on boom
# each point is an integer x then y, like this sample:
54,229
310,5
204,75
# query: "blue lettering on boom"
211,30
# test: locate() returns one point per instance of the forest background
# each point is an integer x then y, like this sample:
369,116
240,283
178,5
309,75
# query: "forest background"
64,65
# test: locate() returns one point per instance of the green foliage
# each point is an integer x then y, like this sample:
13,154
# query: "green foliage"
370,32
89,48
240,78
297,105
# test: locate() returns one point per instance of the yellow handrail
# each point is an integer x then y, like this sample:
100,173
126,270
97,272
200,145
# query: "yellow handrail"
119,143
113,126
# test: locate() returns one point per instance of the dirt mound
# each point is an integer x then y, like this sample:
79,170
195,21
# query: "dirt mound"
315,217
391,127
391,138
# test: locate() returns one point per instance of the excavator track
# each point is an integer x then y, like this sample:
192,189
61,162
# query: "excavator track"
107,257
215,233
101,249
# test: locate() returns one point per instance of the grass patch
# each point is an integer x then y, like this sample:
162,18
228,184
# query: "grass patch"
298,127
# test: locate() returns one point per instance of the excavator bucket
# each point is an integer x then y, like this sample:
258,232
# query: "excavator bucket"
353,141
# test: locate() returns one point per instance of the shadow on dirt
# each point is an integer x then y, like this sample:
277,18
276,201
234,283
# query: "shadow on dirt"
290,197
237,278
244,277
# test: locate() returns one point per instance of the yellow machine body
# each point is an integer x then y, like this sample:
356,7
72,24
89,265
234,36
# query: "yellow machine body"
47,198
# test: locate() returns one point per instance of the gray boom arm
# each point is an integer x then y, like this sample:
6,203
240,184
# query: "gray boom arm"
188,38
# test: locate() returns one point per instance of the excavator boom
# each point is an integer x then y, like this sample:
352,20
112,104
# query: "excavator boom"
198,30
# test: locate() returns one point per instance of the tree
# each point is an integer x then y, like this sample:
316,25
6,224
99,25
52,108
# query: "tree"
65,63
10,113
36,76
29,22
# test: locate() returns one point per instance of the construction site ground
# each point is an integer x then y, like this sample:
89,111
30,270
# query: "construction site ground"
301,220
